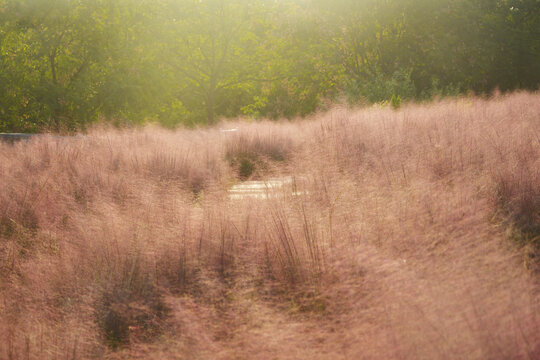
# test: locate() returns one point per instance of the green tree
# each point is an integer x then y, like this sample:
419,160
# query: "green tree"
218,50
67,63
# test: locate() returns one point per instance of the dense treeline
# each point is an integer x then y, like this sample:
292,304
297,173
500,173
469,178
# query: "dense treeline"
67,63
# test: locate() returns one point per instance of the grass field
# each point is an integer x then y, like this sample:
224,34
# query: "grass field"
410,234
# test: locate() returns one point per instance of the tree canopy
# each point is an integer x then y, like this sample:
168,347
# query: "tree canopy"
67,63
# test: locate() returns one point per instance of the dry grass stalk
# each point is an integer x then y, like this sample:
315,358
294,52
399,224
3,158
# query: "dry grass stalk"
410,234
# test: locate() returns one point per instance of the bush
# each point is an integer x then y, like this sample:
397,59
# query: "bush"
517,196
381,87
125,316
395,101
249,152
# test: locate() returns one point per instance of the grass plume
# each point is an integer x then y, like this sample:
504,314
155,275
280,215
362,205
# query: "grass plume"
409,233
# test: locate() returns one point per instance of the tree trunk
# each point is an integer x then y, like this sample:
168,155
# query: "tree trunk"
210,104
52,58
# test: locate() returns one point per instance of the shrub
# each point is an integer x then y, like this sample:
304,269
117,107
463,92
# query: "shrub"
251,153
381,87
125,316
517,198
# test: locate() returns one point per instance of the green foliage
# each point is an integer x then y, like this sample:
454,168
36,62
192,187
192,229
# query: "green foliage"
246,168
381,88
245,164
395,101
65,64
438,91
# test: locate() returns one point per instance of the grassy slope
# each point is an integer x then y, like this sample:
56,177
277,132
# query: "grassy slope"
416,237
